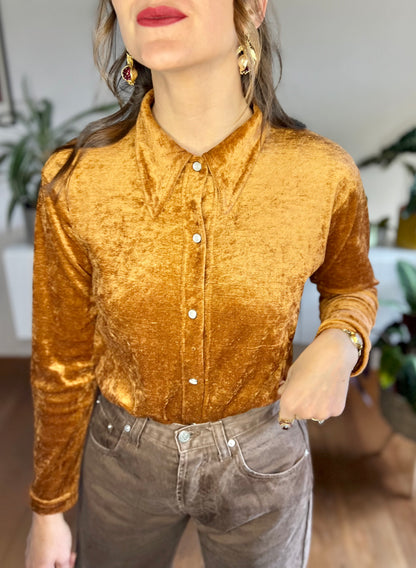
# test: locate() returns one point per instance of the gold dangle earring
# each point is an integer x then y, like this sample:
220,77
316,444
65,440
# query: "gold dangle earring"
129,73
242,57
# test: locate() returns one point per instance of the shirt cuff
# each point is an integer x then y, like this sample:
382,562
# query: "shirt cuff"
365,353
58,505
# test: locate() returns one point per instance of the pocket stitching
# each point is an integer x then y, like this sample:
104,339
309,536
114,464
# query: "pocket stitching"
97,443
245,468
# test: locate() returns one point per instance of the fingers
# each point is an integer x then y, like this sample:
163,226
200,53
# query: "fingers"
281,388
318,420
286,423
315,410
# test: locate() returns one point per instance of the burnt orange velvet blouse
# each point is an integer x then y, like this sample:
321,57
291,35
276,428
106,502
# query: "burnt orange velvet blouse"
173,281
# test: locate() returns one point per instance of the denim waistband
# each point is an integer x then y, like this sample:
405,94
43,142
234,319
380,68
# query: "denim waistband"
166,433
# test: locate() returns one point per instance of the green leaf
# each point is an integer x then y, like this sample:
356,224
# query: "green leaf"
406,143
22,159
410,168
3,157
12,204
406,379
386,379
391,362
407,277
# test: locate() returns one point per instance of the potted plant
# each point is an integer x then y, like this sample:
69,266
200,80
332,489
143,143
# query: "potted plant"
406,231
398,360
23,157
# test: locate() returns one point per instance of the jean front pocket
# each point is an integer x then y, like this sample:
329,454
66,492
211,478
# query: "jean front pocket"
105,431
268,452
269,470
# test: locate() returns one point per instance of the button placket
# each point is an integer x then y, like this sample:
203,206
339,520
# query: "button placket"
194,291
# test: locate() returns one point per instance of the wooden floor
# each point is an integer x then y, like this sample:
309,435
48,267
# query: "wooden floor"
363,517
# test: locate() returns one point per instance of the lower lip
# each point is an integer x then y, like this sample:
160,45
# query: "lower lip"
157,22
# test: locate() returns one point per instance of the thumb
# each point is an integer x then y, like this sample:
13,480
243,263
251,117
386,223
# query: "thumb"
285,414
282,386
72,559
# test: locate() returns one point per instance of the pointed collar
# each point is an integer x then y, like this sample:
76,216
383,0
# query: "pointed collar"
162,159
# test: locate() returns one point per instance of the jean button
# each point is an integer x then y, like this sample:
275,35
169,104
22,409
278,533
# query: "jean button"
184,436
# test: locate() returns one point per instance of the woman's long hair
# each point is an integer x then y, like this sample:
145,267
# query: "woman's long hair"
258,85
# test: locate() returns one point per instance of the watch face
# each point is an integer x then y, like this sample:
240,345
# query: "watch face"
356,339
360,340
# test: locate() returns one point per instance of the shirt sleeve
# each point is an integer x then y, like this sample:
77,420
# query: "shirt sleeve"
345,280
62,377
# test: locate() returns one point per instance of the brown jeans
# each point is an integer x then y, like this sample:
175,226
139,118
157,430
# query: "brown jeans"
246,483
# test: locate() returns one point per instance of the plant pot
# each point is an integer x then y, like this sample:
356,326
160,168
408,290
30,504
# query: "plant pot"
30,214
398,413
406,231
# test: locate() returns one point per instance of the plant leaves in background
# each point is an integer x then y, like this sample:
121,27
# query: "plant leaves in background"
406,143
390,364
406,379
407,276
22,160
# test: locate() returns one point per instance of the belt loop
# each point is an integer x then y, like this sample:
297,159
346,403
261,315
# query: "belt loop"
137,429
220,440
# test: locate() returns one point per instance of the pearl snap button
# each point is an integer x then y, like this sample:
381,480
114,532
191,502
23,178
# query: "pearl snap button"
184,436
127,428
110,426
197,238
192,314
197,166
193,381
231,443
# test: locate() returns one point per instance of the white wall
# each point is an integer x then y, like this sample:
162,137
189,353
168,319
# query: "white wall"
49,42
349,73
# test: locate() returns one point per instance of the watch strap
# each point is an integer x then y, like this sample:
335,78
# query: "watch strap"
356,339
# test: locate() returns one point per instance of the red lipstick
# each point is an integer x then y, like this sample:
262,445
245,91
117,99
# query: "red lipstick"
159,16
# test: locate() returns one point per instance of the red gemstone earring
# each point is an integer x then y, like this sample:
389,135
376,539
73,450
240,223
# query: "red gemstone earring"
129,73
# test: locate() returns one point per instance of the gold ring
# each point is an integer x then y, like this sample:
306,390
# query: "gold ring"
317,420
286,423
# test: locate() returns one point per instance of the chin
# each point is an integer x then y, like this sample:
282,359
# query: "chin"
163,58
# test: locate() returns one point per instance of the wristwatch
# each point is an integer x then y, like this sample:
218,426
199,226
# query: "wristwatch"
356,339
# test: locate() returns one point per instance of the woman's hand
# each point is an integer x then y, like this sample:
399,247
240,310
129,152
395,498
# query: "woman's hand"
49,543
317,382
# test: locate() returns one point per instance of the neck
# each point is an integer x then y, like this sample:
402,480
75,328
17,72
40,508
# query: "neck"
198,110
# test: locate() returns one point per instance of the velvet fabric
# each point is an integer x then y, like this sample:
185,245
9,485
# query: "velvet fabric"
146,232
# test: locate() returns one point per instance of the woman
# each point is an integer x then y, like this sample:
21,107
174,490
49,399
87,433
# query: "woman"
173,241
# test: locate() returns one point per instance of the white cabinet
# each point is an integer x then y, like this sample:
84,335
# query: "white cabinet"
18,263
